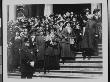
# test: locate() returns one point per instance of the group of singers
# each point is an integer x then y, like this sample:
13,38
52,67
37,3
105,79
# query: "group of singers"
42,42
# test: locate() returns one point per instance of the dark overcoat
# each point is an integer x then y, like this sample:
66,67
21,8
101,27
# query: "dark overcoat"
88,41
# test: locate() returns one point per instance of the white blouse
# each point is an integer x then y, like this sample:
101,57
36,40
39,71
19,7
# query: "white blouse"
69,29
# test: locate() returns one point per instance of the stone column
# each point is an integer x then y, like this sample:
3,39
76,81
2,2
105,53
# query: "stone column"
48,9
12,12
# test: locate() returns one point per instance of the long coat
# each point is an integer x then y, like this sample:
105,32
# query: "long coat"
25,58
65,44
14,56
41,47
52,54
89,36
56,49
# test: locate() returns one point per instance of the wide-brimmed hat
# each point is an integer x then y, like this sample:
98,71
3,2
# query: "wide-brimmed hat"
96,10
87,10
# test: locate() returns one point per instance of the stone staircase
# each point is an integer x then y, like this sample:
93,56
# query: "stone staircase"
73,69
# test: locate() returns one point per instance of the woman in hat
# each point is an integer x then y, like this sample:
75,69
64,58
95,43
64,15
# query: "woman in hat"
48,52
97,17
87,12
54,57
78,34
89,38
16,47
66,34
73,22
60,27
86,15
40,42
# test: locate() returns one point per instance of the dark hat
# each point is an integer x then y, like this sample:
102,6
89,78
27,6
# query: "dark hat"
25,39
51,15
96,10
87,10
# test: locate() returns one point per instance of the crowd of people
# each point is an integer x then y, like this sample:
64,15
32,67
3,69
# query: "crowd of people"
42,42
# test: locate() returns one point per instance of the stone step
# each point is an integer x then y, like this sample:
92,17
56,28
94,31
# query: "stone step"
71,70
99,44
15,76
67,69
71,67
62,74
82,69
59,75
72,61
75,75
99,52
81,64
84,60
79,55
100,55
100,48
95,57
91,59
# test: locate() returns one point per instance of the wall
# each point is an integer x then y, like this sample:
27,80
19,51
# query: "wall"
109,33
